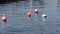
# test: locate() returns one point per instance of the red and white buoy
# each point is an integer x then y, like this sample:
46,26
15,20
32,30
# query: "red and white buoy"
29,14
36,11
4,19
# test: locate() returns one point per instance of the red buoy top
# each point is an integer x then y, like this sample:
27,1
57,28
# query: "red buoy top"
36,11
29,14
4,19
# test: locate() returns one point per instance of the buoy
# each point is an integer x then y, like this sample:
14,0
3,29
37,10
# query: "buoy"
29,14
44,17
36,11
4,19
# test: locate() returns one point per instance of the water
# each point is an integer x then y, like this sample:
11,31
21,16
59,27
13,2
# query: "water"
18,23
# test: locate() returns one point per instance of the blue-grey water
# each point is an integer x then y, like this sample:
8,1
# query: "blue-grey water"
18,23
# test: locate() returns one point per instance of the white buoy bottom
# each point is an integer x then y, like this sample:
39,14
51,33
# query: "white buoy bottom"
44,17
